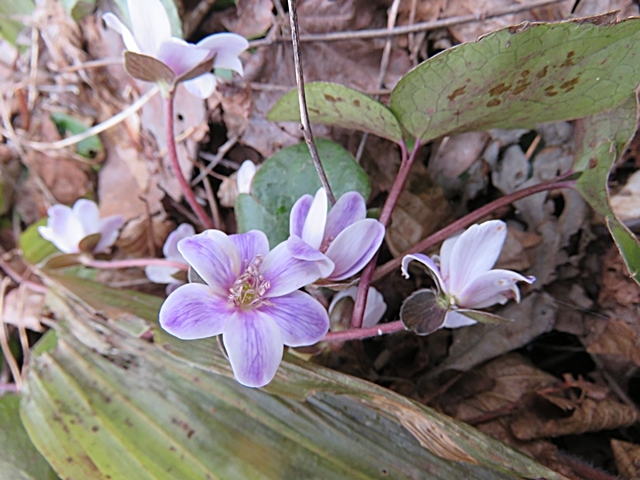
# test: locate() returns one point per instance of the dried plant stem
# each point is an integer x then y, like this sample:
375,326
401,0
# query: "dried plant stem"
204,219
131,263
360,333
385,217
304,114
4,342
469,219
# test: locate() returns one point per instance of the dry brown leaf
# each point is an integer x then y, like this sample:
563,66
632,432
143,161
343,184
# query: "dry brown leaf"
626,203
627,8
456,154
627,457
23,307
618,289
518,249
250,18
235,100
618,338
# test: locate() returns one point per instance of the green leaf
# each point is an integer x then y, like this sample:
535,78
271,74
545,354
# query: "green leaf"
89,147
600,139
9,29
101,403
288,175
337,105
521,76
34,247
78,9
19,459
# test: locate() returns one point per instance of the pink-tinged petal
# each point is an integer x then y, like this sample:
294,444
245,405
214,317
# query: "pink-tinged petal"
374,308
313,229
286,274
432,268
149,24
202,86
194,311
354,247
63,229
225,43
228,61
457,320
250,245
349,208
109,229
181,56
474,253
160,274
302,251
170,247
299,213
494,286
301,318
254,344
114,23
245,176
215,257
87,212
445,256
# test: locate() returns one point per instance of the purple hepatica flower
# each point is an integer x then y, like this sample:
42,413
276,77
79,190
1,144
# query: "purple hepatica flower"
342,242
251,298
67,227
161,274
464,277
150,35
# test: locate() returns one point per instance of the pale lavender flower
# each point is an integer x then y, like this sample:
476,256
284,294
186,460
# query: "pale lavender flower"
67,227
342,242
463,273
150,35
251,298
245,175
163,274
373,310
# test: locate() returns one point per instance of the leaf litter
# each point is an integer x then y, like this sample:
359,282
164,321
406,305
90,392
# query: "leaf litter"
567,364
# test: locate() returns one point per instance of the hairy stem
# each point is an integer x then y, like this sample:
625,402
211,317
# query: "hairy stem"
132,262
304,114
360,333
204,219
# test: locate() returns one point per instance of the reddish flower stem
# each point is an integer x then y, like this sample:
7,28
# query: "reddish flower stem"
469,219
360,333
204,219
132,262
385,217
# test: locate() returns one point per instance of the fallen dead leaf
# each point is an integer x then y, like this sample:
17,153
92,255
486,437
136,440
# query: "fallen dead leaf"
23,307
626,203
627,457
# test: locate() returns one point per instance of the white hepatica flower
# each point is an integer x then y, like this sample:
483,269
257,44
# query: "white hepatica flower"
245,176
150,36
373,310
464,276
162,274
67,227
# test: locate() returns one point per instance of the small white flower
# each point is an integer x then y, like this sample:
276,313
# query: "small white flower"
162,274
67,227
150,35
464,277
245,176
373,310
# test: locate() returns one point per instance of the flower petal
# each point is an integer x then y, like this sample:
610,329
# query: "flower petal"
313,229
149,24
160,274
254,344
194,311
354,247
445,256
433,269
285,273
88,214
180,56
474,253
215,257
456,320
63,229
225,46
228,61
494,286
202,86
114,23
302,251
250,245
301,318
349,208
109,229
170,247
374,308
245,176
299,213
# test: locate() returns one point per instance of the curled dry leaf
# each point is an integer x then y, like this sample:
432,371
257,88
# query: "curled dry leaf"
618,338
618,291
23,307
627,457
626,203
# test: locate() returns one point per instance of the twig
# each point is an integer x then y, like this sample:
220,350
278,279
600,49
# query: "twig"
469,219
16,277
360,333
204,219
4,343
405,29
196,16
214,159
22,332
132,262
304,115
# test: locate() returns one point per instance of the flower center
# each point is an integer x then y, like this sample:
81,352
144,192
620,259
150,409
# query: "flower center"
248,289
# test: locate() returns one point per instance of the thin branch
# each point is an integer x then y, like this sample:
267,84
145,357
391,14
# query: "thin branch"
4,342
360,333
131,263
405,29
304,114
214,159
